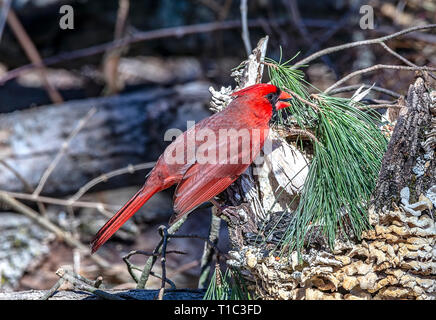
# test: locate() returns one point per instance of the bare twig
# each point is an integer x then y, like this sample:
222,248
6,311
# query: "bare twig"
5,6
327,35
245,31
53,289
297,132
33,54
61,202
151,260
378,101
131,266
79,283
123,11
26,185
156,275
374,68
87,281
295,95
354,87
112,57
73,201
420,36
164,234
396,55
400,57
147,253
193,29
139,37
292,7
329,50
194,236
106,176
27,211
380,106
62,151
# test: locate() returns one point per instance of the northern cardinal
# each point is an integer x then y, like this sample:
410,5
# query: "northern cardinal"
199,181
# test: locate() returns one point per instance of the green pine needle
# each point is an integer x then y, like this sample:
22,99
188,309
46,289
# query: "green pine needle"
229,286
284,76
345,165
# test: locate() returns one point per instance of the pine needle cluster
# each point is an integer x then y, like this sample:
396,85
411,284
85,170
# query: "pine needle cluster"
227,286
343,171
346,160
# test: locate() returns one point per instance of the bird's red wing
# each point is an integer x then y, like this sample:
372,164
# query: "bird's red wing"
201,183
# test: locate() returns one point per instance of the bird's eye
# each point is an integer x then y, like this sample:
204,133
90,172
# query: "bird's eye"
270,97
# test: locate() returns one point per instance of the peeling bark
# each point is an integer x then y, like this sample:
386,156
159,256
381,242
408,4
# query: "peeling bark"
410,161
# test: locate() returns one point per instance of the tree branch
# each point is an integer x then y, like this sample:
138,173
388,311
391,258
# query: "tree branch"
151,260
373,68
323,52
354,87
5,7
79,283
245,31
106,176
33,54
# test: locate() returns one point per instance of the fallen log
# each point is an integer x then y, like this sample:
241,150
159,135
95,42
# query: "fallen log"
180,294
126,129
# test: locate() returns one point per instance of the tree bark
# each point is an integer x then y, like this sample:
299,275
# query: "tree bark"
409,161
394,260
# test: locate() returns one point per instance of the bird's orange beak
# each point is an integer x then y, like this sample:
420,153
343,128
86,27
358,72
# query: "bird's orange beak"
283,101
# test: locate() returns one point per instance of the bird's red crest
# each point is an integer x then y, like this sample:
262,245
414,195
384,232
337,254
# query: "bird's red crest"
260,89
280,98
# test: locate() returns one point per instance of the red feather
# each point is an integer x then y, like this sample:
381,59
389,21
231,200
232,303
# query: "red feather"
124,214
199,182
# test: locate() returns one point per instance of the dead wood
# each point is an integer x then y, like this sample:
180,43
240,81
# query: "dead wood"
126,129
410,161
182,294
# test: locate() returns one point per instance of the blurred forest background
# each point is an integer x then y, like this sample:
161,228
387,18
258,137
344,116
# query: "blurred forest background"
51,145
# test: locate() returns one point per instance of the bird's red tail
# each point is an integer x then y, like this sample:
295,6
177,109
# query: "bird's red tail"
128,210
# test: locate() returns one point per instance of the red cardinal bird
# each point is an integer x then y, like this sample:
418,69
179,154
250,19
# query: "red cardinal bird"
200,178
